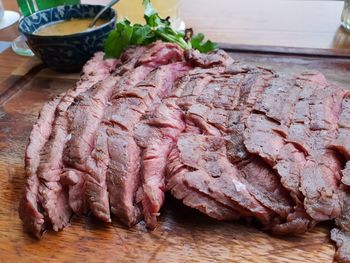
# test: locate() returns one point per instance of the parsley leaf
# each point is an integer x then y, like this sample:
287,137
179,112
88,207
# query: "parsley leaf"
156,28
203,47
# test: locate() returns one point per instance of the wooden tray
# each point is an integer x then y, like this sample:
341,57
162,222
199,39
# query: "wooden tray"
183,235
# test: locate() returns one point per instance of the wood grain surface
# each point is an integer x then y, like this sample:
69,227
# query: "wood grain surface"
183,235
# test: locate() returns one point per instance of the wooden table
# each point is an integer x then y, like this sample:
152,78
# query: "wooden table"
262,24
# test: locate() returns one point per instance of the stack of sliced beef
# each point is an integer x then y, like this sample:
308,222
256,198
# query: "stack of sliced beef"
227,139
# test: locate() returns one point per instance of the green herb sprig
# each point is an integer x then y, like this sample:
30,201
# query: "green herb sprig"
156,28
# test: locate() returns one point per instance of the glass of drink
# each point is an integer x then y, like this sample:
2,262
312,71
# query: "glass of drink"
345,16
133,10
28,7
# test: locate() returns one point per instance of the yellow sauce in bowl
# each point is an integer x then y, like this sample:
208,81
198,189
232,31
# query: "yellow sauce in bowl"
67,27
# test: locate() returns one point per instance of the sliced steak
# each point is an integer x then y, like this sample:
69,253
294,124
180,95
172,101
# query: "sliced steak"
217,105
295,142
30,210
321,173
123,175
264,184
156,134
192,198
341,236
341,143
250,90
319,185
135,94
263,137
76,183
227,139
87,110
54,199
85,118
209,172
342,241
40,143
126,115
213,59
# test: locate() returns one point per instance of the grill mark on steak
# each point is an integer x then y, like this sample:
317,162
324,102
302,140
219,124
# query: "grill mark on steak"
30,210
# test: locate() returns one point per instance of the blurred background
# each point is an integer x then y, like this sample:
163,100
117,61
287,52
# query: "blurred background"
286,23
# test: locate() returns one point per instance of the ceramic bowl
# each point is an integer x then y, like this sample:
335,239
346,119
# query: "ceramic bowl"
70,52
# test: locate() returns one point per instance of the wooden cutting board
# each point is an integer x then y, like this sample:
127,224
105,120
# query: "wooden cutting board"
183,235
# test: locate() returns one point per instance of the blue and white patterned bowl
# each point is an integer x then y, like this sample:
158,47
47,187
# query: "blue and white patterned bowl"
66,53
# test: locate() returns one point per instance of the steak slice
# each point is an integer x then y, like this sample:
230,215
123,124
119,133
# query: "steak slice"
40,137
213,59
346,174
342,240
340,144
135,94
54,199
250,90
75,181
343,221
127,109
190,197
321,173
265,138
156,134
29,207
264,184
209,171
87,110
85,118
